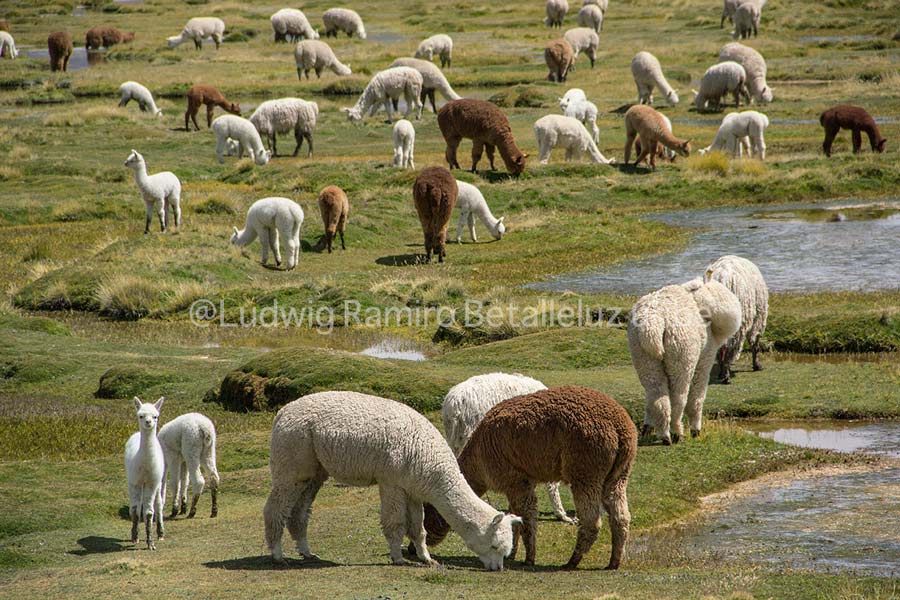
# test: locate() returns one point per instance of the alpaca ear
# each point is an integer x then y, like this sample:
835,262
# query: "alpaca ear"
235,230
137,403
500,220
695,92
158,404
524,155
498,519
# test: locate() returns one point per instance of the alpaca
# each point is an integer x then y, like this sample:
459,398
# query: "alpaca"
647,74
746,282
440,44
404,144
132,90
60,47
343,19
572,434
432,80
211,97
197,29
651,126
8,45
471,203
674,334
661,152
566,132
268,218
283,115
242,131
161,191
855,119
145,465
560,58
435,192
189,443
488,128
106,37
365,440
335,208
386,86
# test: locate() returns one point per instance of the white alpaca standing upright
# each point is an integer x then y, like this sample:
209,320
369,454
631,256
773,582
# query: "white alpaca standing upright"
365,440
145,465
471,203
189,443
575,104
267,218
161,192
132,90
404,144
466,404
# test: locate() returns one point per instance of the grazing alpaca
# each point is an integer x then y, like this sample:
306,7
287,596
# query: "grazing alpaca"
189,443
267,218
60,47
435,192
211,97
365,440
487,127
855,119
145,465
651,126
335,208
571,434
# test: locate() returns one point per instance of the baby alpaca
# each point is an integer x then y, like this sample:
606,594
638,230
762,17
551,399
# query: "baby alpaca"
404,144
662,151
674,335
206,94
7,45
739,130
365,440
651,126
472,203
317,56
161,192
242,131
335,208
560,58
488,128
435,193
132,90
145,466
566,132
719,80
746,19
570,434
855,119
575,104
343,19
439,44
189,443
267,218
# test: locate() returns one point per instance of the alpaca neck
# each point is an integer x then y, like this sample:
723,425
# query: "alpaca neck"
459,504
245,236
140,176
668,140
487,218
148,441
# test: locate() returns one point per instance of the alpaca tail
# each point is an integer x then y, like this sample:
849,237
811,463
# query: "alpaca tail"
621,467
649,336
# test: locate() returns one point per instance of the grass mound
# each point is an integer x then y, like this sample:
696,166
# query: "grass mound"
128,380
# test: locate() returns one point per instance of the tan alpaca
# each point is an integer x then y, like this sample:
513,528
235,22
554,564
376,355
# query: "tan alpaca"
651,126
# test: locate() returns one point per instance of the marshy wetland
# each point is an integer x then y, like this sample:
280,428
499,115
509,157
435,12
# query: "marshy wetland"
93,312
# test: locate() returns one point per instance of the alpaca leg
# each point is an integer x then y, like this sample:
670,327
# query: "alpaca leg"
173,467
293,247
415,530
264,242
544,149
556,502
273,143
148,499
587,505
450,152
275,245
309,144
197,483
697,393
148,208
298,137
857,141
390,110
298,523
615,501
489,149
523,502
220,148
134,509
831,132
471,220
160,529
477,151
754,348
209,116
656,388
679,386
393,520
629,142
277,511
463,216
161,213
182,485
209,463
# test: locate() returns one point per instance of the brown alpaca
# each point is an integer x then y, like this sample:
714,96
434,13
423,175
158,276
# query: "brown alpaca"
335,208
570,434
106,37
59,44
434,193
855,119
487,127
560,58
649,124
211,97
660,151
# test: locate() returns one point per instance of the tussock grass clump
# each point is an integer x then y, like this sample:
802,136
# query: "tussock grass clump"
127,297
749,166
528,96
712,162
128,380
8,173
40,250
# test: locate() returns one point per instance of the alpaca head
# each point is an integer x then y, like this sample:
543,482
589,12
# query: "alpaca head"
496,542
672,97
262,157
173,41
134,159
879,146
234,109
148,414
344,69
518,164
500,228
684,148
235,235
766,95
353,114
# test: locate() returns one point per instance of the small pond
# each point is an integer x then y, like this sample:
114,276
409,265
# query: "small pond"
80,59
798,248
882,438
396,348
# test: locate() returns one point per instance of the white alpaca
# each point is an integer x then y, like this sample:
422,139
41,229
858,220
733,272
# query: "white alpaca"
647,73
556,11
290,24
132,90
365,440
674,334
198,29
591,16
283,115
746,19
404,144
144,465
439,44
343,19
268,218
189,443
739,131
583,39
161,192
471,203
244,133
566,132
754,65
603,4
575,104
719,80
746,282
466,404
385,86
317,56
432,79
8,45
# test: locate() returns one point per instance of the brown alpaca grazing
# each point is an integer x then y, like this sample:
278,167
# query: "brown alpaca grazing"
660,151
649,124
335,208
560,58
435,192
571,434
59,44
106,36
855,119
487,127
211,97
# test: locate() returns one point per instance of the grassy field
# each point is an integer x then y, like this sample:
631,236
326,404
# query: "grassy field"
87,297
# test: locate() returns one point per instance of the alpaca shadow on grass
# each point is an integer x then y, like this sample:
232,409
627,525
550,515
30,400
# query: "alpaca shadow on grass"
631,168
621,110
94,544
402,260
265,563
496,176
